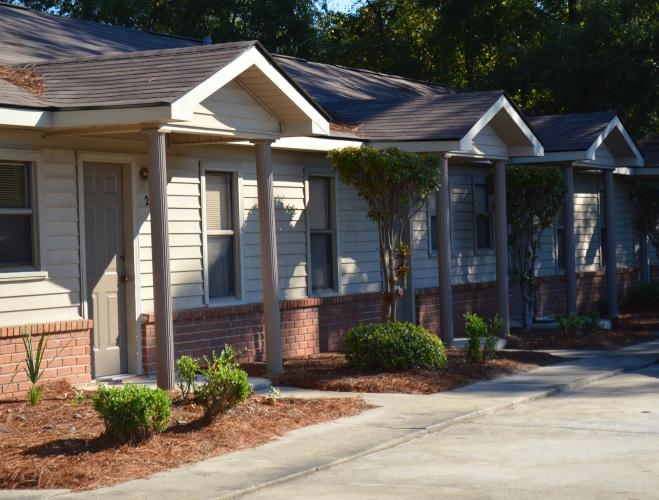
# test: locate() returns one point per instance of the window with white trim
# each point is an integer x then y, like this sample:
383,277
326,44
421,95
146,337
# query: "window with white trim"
320,210
483,220
16,216
220,235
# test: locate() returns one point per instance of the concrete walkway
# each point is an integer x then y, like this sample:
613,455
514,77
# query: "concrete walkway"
399,418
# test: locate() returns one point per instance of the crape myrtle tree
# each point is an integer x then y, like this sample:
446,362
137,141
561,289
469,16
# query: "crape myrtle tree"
395,184
534,197
646,195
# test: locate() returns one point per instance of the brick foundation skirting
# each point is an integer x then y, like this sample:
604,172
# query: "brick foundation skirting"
314,325
67,354
308,326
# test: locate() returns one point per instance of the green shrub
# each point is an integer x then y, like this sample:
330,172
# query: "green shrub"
394,346
590,322
225,384
186,374
476,329
644,295
482,337
569,325
132,413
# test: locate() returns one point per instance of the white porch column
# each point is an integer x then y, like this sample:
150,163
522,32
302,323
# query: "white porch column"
501,244
444,257
570,256
269,271
609,207
162,298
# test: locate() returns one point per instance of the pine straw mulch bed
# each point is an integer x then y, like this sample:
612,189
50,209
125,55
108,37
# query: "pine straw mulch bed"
329,372
60,444
630,328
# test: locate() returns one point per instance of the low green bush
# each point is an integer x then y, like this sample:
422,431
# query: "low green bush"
132,413
225,384
569,325
482,337
394,346
643,295
186,374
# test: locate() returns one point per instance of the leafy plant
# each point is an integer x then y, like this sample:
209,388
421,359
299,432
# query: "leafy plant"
570,324
394,346
273,395
186,373
476,329
132,413
590,322
482,337
225,384
33,366
395,184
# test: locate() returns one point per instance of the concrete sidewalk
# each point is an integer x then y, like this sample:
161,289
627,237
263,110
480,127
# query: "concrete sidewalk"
398,418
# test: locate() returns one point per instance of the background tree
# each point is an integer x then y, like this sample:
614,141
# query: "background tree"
395,184
646,194
534,197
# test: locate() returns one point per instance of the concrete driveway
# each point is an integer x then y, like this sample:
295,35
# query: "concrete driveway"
600,441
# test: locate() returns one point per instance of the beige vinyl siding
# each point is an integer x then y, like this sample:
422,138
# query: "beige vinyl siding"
184,215
624,224
358,244
467,264
232,108
586,222
487,141
290,226
58,297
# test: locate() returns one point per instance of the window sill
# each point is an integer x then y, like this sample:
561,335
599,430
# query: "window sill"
225,302
27,275
324,293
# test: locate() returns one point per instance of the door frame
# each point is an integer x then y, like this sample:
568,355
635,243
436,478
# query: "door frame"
131,251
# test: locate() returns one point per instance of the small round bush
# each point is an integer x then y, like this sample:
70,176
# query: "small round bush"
394,346
132,413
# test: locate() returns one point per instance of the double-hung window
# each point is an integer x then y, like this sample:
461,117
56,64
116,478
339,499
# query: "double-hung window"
321,234
220,235
483,224
16,215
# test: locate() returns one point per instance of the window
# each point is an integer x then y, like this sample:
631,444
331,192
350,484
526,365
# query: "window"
483,226
321,234
220,235
560,240
16,216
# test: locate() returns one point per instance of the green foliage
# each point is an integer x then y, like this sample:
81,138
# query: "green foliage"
132,413
646,197
574,323
186,374
482,337
534,196
225,384
33,366
394,346
644,295
395,184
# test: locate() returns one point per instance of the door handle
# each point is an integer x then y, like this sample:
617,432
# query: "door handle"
124,278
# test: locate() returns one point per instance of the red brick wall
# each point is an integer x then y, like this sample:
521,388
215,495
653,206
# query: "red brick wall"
308,326
67,354
315,325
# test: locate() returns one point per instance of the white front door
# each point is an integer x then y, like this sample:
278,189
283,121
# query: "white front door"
105,265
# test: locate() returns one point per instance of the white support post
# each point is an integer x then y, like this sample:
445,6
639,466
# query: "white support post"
611,265
444,257
501,244
570,253
162,298
269,270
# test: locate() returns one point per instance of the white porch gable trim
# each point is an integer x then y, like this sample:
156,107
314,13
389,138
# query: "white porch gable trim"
182,108
533,146
636,158
22,117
